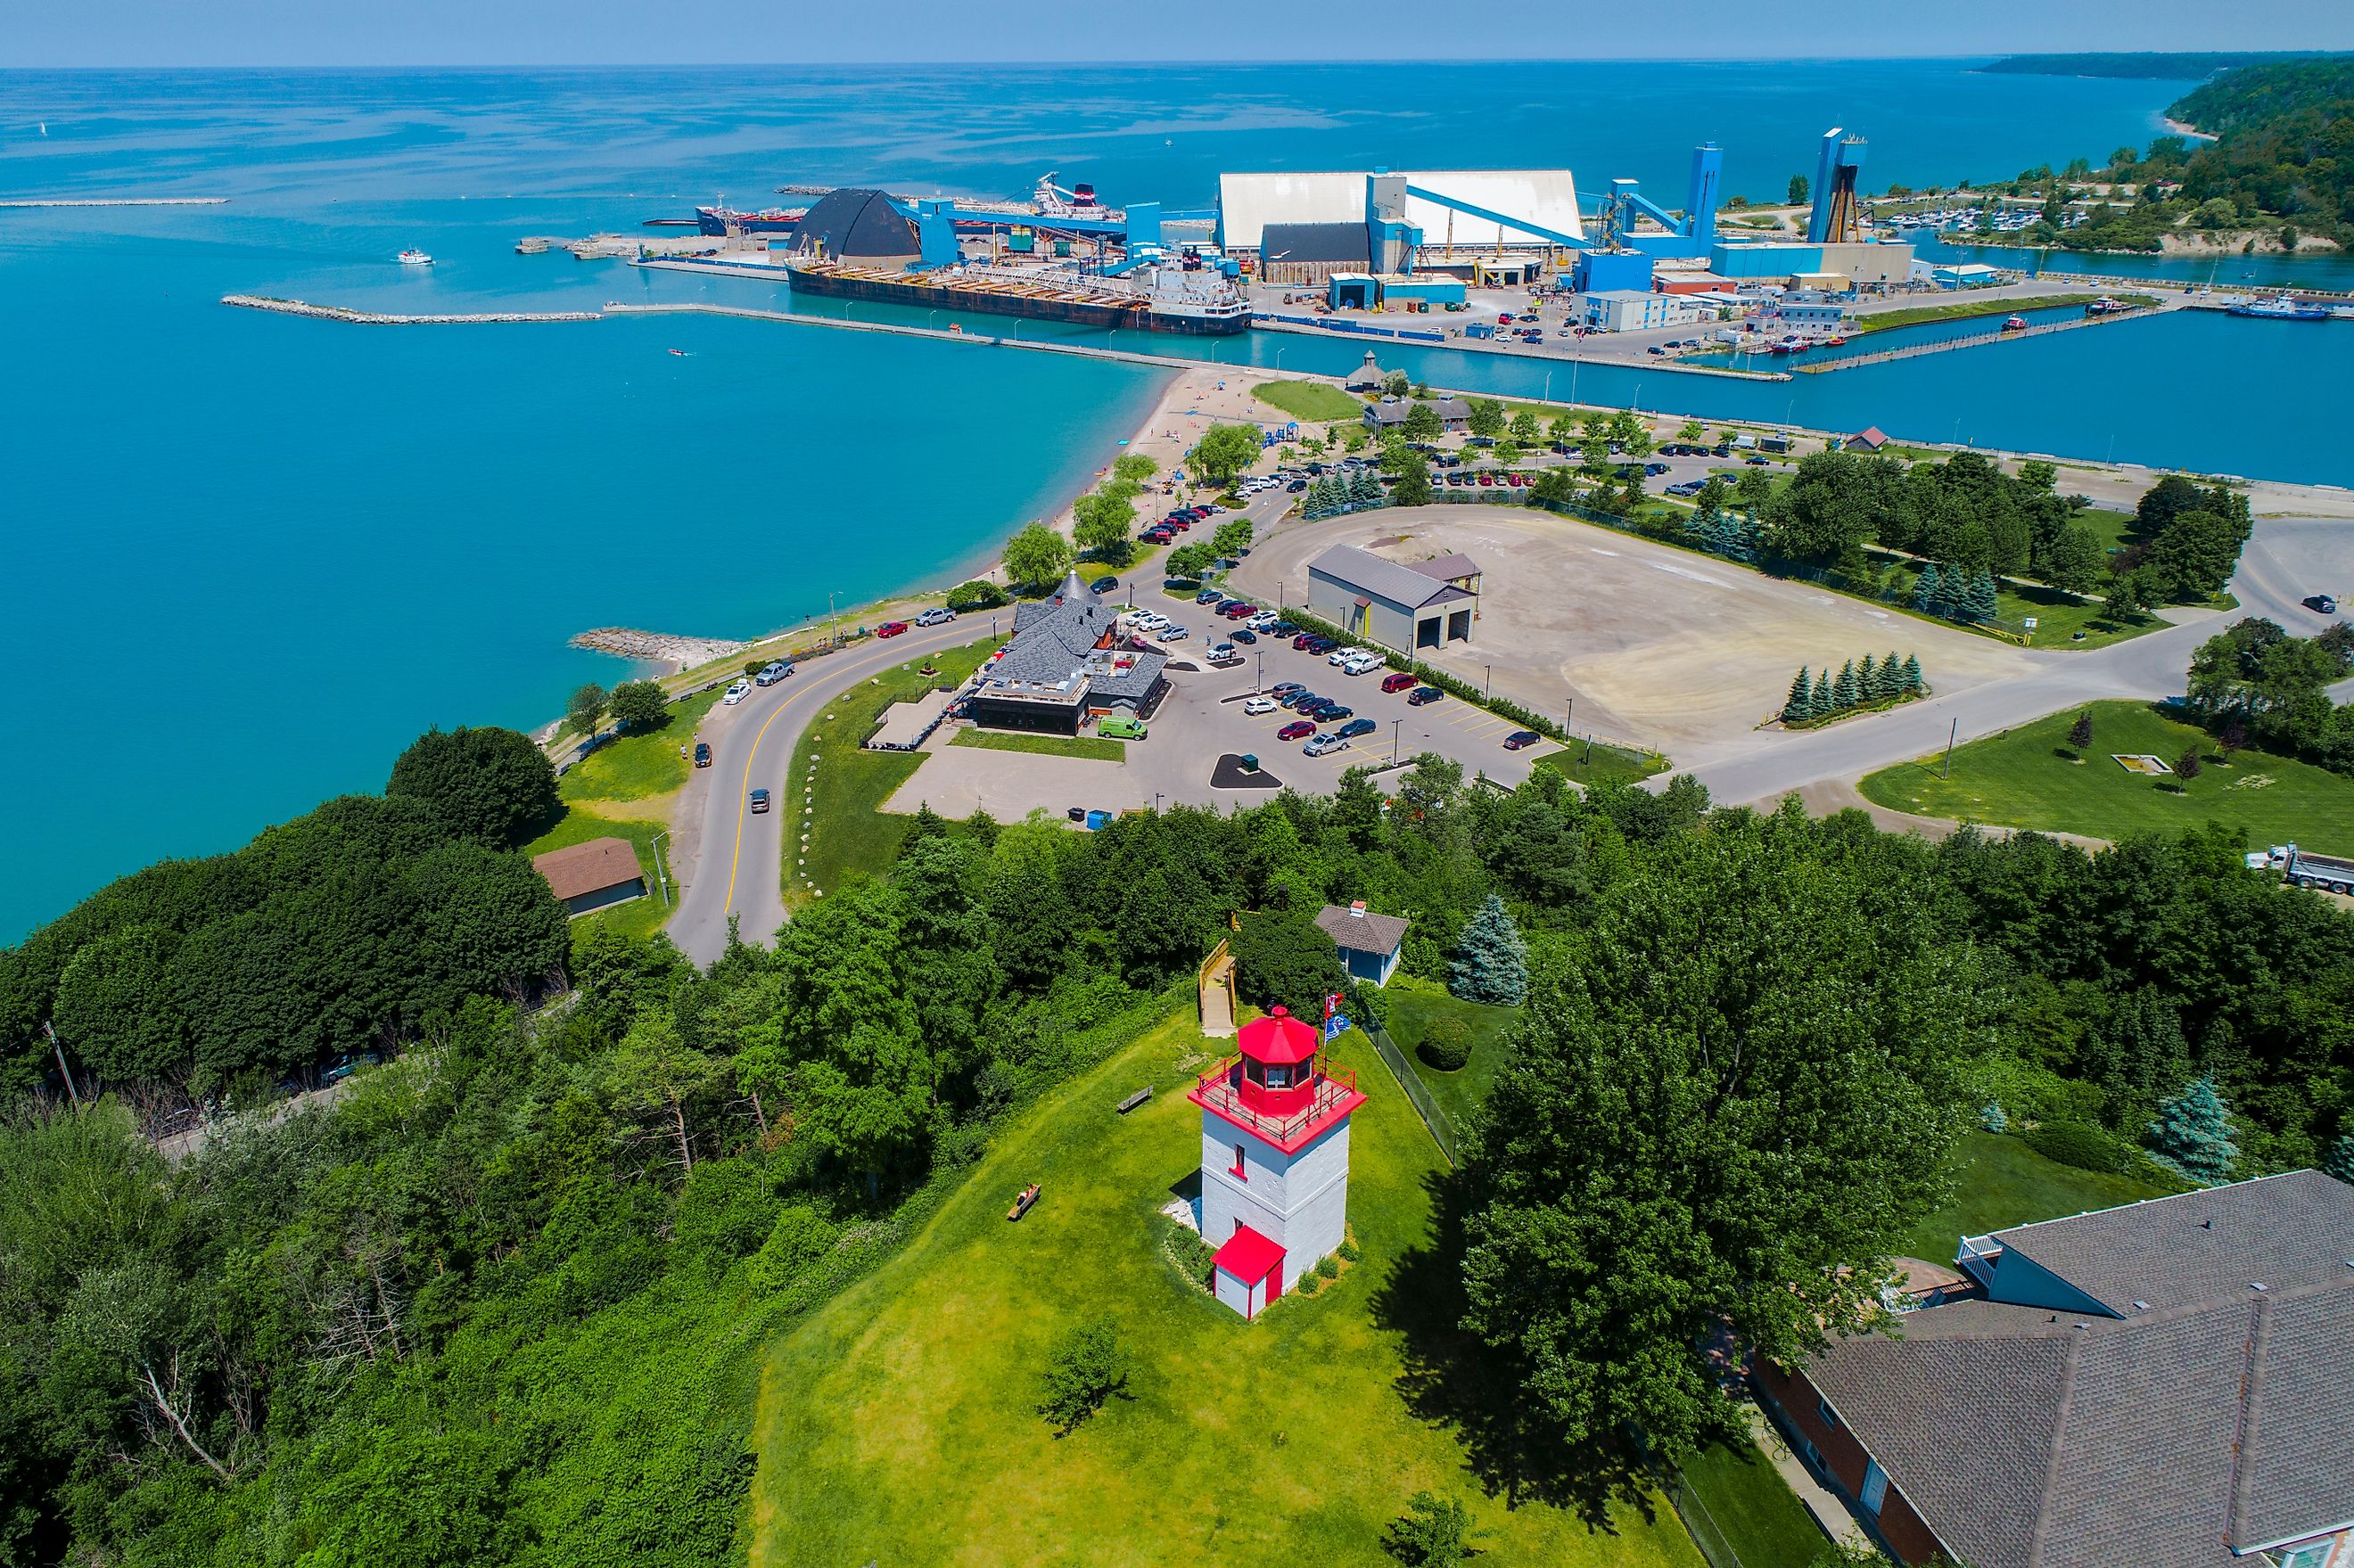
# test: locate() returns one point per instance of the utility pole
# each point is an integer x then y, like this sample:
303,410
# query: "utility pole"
660,881
1948,771
1396,725
832,621
61,1050
1488,681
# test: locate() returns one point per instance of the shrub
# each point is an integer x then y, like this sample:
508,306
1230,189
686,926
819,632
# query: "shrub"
1329,1266
1309,1284
1351,1252
2080,1144
1992,1118
1282,956
1087,1367
978,593
800,1236
1445,1044
1433,1532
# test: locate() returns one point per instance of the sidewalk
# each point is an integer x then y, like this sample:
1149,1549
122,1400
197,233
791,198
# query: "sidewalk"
1828,1510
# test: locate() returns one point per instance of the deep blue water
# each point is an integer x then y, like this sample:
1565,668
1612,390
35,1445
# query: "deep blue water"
251,557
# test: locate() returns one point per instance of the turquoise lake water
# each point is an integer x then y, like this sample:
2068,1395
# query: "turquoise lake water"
253,555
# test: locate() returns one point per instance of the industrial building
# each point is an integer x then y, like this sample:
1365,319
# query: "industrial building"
1392,291
1639,310
1401,607
1307,209
1838,265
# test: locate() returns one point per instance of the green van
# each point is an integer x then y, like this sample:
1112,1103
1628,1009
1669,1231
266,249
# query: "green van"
1119,728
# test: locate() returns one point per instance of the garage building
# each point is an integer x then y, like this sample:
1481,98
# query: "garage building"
1401,607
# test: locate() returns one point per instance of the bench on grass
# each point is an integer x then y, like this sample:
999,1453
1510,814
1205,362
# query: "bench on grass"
1135,1100
1021,1204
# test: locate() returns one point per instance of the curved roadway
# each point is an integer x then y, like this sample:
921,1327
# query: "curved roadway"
737,869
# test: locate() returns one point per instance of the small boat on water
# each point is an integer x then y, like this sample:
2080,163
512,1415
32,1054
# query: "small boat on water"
2104,306
2281,308
2015,323
680,352
415,258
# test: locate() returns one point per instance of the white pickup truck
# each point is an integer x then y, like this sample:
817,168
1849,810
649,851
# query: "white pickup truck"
2323,873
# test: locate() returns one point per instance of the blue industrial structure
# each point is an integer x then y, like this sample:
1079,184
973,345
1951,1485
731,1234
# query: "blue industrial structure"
1837,195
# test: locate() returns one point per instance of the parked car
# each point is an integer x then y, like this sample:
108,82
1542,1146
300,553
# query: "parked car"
1301,698
1225,654
1295,729
1173,634
1303,639
1149,619
1356,726
1263,622
1121,728
1521,739
1423,696
735,692
703,754
1284,628
1340,656
891,629
1209,596
1284,688
1324,745
1321,645
938,615
1330,712
771,673
1101,584
1397,681
1258,705
1296,486
1243,634
759,799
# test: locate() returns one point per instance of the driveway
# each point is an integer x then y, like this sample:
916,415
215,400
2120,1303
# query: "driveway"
736,871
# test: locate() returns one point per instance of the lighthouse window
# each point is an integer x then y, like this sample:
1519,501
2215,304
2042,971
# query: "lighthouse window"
1238,1170
1279,1077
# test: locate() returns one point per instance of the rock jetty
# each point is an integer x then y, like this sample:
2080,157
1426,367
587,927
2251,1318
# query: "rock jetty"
684,652
370,318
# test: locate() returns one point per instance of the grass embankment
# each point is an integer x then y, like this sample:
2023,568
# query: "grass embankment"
639,916
1965,309
1747,1502
1999,1181
642,766
1409,1005
1594,762
897,1424
1091,748
1310,401
2019,779
844,817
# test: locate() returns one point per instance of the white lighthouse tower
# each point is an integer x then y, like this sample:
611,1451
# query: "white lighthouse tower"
1275,1159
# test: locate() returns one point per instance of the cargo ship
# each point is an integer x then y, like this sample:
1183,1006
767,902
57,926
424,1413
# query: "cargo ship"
1192,303
720,219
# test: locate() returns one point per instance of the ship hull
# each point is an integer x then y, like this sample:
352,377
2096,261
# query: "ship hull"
712,221
1071,313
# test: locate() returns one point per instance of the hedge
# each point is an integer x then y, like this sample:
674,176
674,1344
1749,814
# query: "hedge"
2082,1145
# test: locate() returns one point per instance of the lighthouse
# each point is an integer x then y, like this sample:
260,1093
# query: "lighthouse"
1275,1159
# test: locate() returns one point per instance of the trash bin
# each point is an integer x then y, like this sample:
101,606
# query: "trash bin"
1250,762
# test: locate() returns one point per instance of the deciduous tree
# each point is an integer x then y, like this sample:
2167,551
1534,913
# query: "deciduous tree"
489,784
1036,555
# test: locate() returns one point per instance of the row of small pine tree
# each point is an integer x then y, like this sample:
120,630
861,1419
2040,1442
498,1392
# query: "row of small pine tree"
1331,494
1823,695
1955,594
1730,533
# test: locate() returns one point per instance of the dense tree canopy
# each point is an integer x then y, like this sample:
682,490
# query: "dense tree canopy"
488,784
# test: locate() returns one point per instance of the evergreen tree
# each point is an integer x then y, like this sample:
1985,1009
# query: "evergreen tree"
2080,734
1365,490
1891,676
1912,686
1801,703
1866,680
1843,689
1982,603
1823,703
1929,592
1992,1119
1491,961
2339,1160
2192,1135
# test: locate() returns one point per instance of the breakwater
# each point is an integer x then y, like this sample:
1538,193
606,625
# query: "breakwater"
1915,350
118,201
1318,326
373,318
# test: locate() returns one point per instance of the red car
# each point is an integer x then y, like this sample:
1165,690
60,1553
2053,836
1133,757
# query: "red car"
1303,639
1519,738
891,629
1295,729
1397,681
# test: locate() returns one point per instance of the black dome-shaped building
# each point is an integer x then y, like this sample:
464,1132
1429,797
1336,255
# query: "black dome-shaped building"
856,226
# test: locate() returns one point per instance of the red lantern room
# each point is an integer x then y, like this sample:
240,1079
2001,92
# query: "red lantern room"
1274,1159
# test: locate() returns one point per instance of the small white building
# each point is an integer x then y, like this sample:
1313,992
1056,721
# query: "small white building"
1639,310
1275,1159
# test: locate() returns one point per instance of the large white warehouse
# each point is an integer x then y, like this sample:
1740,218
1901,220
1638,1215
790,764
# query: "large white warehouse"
1247,203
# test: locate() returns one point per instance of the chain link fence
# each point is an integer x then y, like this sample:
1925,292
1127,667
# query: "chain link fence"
1442,1131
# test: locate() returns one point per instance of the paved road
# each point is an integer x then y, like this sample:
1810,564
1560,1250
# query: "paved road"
737,863
2276,570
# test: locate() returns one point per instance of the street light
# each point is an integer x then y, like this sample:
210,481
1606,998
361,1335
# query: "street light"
662,883
1488,684
1396,728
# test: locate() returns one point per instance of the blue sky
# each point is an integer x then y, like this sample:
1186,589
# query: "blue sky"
650,32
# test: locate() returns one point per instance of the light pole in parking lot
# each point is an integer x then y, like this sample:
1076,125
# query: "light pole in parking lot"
1261,686
1487,684
1397,726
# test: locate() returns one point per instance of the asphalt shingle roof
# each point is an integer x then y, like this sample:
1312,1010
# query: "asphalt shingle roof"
1371,934
1368,573
1054,643
2221,1416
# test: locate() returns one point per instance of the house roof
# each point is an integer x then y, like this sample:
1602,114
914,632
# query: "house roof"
1394,411
2278,1232
1368,374
2217,1420
1248,1256
1447,567
1276,1036
589,867
1368,573
1054,647
1871,436
1366,933
1346,244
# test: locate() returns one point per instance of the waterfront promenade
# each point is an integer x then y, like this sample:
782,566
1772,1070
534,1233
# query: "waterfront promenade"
1976,340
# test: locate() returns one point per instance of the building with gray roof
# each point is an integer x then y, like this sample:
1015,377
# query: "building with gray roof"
1389,603
1062,666
2168,1385
1312,252
1368,943
1389,414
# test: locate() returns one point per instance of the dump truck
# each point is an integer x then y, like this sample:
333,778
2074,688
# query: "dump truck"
2323,873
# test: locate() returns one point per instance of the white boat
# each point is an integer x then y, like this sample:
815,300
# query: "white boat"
415,258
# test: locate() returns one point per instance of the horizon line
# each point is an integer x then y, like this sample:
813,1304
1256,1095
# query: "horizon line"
1067,63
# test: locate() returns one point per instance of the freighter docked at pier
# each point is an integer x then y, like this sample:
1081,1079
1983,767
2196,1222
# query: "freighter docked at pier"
1198,303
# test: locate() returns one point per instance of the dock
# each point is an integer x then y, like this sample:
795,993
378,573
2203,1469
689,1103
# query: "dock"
1975,340
373,318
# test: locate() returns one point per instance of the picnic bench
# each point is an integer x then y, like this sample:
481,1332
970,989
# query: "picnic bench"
1135,1100
1021,1204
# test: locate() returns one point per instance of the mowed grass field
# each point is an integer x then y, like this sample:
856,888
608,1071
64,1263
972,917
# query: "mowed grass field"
1090,747
640,766
2017,779
897,1426
1409,1012
1999,1181
1310,401
639,916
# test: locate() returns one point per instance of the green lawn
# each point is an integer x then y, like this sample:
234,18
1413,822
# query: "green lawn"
1310,401
1093,747
848,831
643,765
896,1424
639,916
2058,615
2017,779
1408,1006
1914,315
1999,1181
1748,1503
2111,529
1592,763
